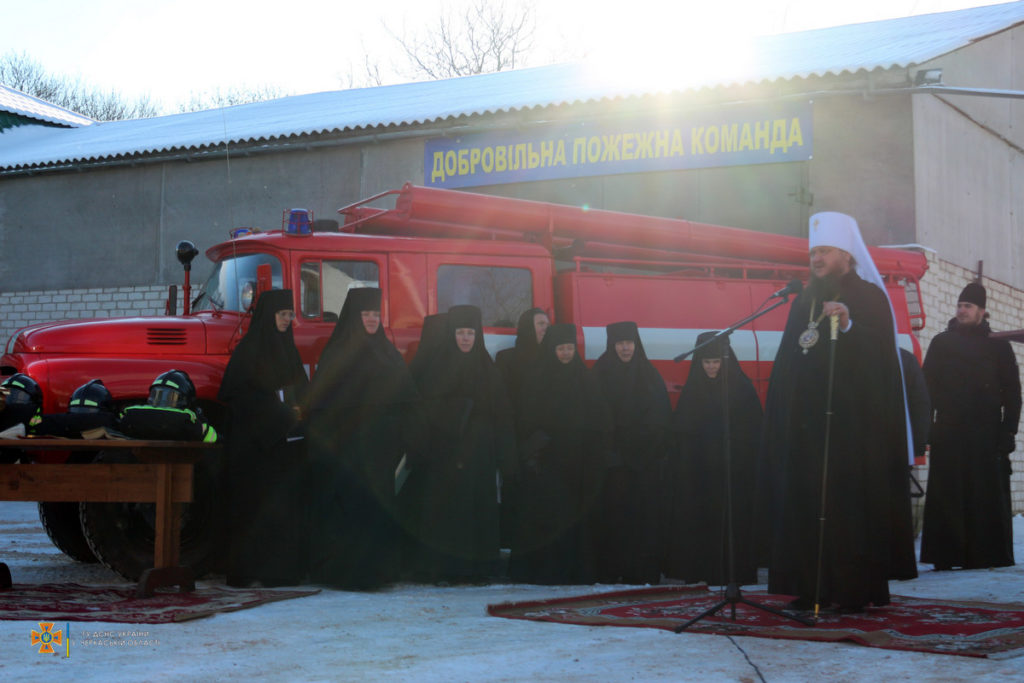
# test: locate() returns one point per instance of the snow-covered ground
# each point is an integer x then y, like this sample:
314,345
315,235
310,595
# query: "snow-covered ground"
427,633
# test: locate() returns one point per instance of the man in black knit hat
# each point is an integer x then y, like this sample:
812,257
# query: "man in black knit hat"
975,391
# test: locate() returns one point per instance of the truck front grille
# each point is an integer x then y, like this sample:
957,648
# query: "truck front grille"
165,336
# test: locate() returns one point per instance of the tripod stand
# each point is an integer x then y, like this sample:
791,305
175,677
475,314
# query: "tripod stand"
733,595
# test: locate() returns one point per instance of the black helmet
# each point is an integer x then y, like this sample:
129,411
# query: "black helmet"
23,391
91,397
172,389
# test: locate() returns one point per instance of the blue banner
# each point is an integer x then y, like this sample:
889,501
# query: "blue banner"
733,136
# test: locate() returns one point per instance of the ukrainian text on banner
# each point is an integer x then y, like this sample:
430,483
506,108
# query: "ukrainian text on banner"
734,136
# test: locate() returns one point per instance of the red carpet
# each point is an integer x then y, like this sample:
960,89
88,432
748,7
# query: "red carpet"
73,602
974,629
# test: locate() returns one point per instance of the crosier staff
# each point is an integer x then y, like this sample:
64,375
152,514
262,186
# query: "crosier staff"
833,338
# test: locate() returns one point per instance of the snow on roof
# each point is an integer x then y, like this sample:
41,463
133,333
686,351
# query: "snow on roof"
894,43
17,102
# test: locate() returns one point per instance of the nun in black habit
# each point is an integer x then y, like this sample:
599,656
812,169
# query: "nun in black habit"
263,387
363,420
634,488
696,539
515,365
563,435
471,437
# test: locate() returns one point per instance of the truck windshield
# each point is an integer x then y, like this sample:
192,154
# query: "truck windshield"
232,283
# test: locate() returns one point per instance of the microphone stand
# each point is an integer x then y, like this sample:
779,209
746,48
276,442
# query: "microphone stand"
733,595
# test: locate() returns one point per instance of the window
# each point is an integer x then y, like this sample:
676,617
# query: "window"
502,294
231,285
325,285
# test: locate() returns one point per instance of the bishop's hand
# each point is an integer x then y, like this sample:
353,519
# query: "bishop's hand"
835,307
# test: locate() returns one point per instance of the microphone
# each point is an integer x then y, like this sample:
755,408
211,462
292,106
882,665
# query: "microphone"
794,287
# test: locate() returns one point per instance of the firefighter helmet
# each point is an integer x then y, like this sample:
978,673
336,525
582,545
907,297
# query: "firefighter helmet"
172,389
23,391
91,397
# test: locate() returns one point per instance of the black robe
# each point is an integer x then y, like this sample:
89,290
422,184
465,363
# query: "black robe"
563,434
975,390
265,475
635,491
696,540
471,437
515,365
362,421
867,509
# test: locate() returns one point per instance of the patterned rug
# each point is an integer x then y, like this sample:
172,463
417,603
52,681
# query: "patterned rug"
74,602
974,629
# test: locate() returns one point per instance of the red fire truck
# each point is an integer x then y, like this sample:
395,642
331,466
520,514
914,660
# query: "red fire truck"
429,249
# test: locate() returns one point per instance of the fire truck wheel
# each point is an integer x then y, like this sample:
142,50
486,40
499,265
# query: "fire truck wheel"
60,520
121,535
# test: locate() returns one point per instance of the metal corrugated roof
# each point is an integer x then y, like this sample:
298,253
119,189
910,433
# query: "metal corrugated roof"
894,43
17,102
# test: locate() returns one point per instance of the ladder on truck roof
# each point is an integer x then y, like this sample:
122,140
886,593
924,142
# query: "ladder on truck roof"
569,231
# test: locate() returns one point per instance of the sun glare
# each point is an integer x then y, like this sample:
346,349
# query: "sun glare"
677,59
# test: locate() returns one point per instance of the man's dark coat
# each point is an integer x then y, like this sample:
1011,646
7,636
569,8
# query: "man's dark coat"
975,391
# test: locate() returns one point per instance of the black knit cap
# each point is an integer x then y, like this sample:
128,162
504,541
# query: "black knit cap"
973,293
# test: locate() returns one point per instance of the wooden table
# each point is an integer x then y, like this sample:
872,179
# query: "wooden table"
162,476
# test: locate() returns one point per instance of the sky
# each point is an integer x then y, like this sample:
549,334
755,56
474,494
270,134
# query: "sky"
169,49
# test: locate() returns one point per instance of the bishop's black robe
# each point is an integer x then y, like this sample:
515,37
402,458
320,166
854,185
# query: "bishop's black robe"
265,475
563,438
867,500
471,437
363,420
975,389
634,493
696,539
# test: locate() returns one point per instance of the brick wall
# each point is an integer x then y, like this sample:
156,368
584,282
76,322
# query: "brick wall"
18,309
940,289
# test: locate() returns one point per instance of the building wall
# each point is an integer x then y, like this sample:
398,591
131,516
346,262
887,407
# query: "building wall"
968,161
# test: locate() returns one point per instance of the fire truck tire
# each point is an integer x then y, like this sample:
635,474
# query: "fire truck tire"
60,520
121,535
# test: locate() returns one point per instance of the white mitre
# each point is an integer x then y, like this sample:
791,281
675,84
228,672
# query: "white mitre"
834,229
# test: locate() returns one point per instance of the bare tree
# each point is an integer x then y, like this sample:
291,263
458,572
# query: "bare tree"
19,71
228,97
487,36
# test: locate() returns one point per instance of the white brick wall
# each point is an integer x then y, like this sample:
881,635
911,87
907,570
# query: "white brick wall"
18,309
940,289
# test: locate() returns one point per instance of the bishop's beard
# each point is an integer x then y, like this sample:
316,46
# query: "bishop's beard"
825,288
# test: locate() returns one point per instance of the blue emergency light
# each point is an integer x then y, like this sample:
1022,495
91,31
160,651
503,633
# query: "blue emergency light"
298,222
